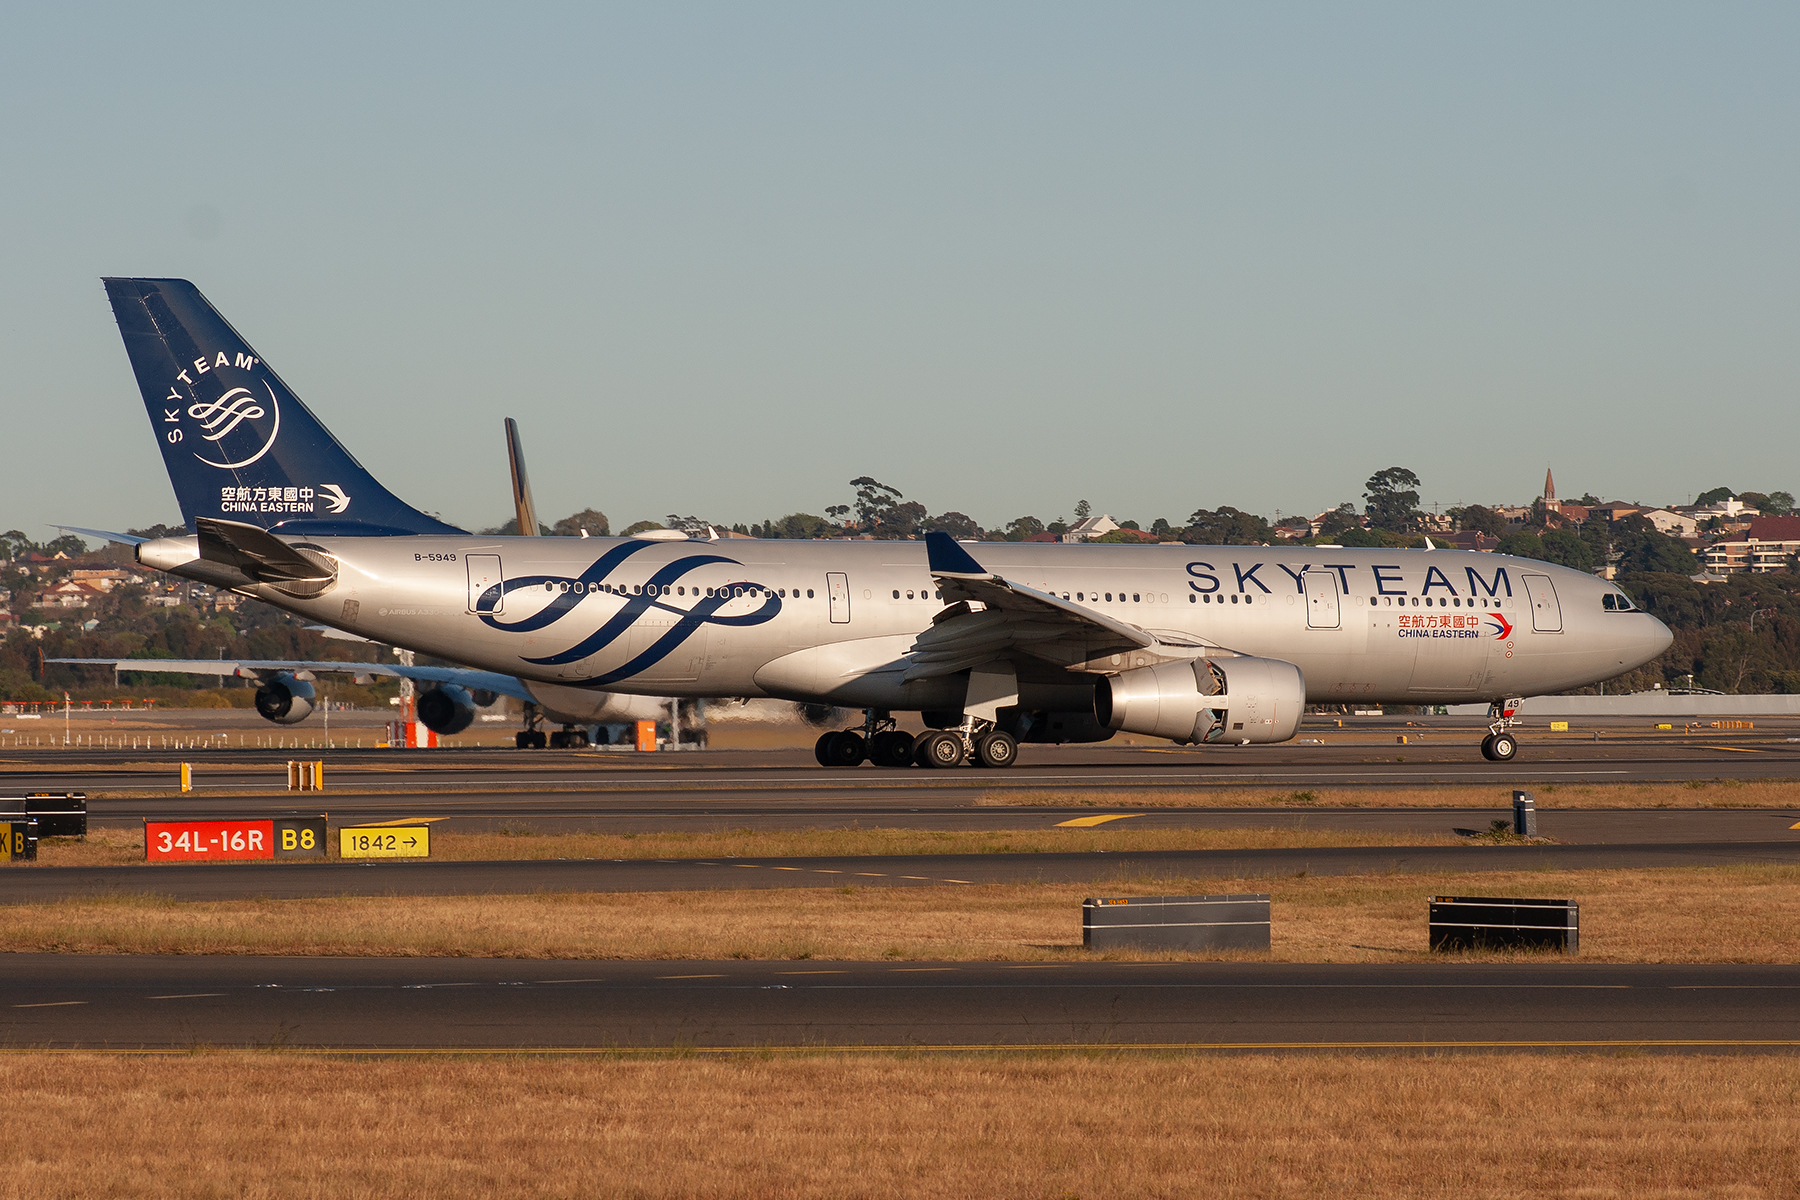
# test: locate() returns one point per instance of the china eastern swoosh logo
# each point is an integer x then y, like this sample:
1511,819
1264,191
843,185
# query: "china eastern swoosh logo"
588,583
1502,627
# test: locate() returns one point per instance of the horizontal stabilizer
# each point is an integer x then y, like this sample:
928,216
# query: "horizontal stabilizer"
259,554
124,539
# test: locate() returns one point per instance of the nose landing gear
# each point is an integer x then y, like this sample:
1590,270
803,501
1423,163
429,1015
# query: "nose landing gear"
1499,745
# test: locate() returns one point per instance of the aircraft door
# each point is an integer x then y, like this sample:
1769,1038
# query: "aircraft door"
1546,612
837,586
1322,600
487,596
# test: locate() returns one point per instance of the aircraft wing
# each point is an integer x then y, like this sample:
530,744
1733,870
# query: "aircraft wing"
244,668
1016,618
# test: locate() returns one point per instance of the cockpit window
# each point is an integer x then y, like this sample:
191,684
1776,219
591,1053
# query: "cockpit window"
1616,602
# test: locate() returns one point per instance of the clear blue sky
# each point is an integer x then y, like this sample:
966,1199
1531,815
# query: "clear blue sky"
719,259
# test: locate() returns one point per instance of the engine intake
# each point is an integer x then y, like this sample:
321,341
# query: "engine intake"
1240,700
447,709
285,700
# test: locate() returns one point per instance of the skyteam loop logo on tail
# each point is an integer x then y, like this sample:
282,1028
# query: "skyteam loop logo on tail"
220,418
653,597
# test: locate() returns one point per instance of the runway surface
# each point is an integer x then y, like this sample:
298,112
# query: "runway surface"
227,881
369,1004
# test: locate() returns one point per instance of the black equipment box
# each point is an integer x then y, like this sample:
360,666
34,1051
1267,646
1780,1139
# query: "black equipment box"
1493,923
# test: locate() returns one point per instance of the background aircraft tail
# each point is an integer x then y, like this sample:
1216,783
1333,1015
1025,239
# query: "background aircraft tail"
237,442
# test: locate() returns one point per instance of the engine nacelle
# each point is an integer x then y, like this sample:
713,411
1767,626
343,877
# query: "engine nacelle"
1229,701
447,709
285,700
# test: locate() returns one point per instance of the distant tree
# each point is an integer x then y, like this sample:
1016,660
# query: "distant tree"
838,512
1478,518
640,527
901,520
1355,536
1082,509
1226,526
1523,544
151,531
1392,494
1567,549
1778,504
1589,500
590,519
1020,528
873,499
1713,496
800,527
1161,527
685,524
1754,500
1129,525
1339,519
957,525
1642,547
1058,527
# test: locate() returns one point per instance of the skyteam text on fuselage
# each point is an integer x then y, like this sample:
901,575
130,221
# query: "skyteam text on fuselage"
994,643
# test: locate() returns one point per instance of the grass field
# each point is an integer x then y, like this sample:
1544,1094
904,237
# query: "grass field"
121,846
1031,1127
1666,915
1696,793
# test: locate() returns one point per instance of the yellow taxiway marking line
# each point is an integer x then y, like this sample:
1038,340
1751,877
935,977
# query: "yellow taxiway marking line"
959,881
787,868
186,996
52,1004
1090,822
401,821
1735,749
746,864
825,871
812,972
1795,825
872,874
919,970
927,876
690,976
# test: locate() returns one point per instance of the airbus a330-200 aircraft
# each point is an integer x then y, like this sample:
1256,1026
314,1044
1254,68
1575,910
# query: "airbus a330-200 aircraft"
993,643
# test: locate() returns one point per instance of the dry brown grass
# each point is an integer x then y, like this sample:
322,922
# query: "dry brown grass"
1668,915
121,846
1030,1127
1698,793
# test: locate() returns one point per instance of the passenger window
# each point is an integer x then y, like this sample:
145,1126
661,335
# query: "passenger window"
809,593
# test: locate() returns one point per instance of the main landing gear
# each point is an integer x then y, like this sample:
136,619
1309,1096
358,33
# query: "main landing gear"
975,743
1499,745
531,737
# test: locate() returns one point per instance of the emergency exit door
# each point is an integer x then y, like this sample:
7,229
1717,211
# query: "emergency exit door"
487,591
837,587
1546,613
1322,610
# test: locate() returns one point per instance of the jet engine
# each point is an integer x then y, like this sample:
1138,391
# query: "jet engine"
284,699
447,709
1228,701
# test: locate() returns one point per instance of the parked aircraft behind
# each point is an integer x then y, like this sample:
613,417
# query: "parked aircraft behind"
993,643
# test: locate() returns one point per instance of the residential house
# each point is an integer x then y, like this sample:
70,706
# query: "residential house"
1089,527
1768,546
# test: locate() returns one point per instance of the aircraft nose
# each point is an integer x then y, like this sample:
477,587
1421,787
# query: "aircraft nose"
1648,643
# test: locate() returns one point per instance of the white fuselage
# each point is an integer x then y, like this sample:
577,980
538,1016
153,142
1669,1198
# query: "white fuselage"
829,621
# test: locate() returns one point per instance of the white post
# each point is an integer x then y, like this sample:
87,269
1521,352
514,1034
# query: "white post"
674,722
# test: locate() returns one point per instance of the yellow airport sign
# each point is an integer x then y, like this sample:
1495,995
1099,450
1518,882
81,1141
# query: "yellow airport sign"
1559,727
386,841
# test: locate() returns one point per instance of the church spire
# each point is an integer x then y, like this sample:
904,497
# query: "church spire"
1550,501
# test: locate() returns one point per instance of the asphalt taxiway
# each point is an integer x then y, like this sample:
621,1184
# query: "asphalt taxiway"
144,1002
291,880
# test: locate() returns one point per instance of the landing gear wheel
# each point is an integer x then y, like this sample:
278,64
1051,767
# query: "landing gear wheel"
846,749
996,750
1501,747
529,739
894,748
819,748
939,749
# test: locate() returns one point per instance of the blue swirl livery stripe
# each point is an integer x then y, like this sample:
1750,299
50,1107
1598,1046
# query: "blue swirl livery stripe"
581,587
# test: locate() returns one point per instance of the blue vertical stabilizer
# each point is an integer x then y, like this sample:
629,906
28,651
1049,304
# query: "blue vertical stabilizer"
238,443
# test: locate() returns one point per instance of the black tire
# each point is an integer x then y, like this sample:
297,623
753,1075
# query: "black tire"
846,749
891,749
940,750
819,748
522,739
997,750
1487,747
1506,747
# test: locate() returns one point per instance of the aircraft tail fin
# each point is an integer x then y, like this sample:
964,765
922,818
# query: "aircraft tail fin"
237,442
